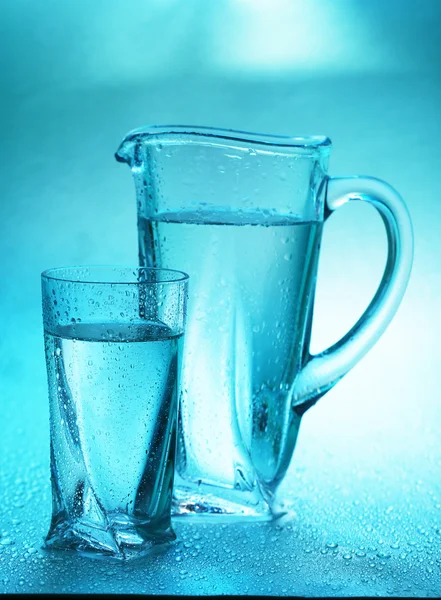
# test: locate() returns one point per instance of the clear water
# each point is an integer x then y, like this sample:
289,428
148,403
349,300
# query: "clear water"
113,402
252,279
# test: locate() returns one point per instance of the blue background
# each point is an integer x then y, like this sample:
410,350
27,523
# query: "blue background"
75,76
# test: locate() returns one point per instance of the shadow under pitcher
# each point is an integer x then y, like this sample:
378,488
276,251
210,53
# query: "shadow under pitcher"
243,215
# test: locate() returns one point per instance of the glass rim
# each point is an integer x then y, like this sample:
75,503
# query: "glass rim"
170,275
320,143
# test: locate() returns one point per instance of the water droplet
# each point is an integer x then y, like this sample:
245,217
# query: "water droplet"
6,541
331,545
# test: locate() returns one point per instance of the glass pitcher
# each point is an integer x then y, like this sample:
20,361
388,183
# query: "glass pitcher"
243,215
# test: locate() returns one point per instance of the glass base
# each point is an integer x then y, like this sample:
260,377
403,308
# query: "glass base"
122,540
191,500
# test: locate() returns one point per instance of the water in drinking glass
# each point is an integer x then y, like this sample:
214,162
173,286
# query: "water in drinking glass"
112,390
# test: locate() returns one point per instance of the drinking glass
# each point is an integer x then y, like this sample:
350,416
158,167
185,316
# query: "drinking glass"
113,338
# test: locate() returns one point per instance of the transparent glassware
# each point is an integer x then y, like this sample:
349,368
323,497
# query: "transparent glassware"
113,341
243,214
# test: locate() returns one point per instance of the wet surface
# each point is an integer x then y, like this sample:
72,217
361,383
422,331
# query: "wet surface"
350,534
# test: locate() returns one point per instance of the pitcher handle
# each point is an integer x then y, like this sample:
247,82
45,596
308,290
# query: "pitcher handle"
322,371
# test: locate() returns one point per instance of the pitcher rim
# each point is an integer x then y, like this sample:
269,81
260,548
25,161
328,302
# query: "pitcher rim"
311,142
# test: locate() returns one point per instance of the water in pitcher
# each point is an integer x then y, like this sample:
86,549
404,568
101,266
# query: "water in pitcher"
113,393
252,277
